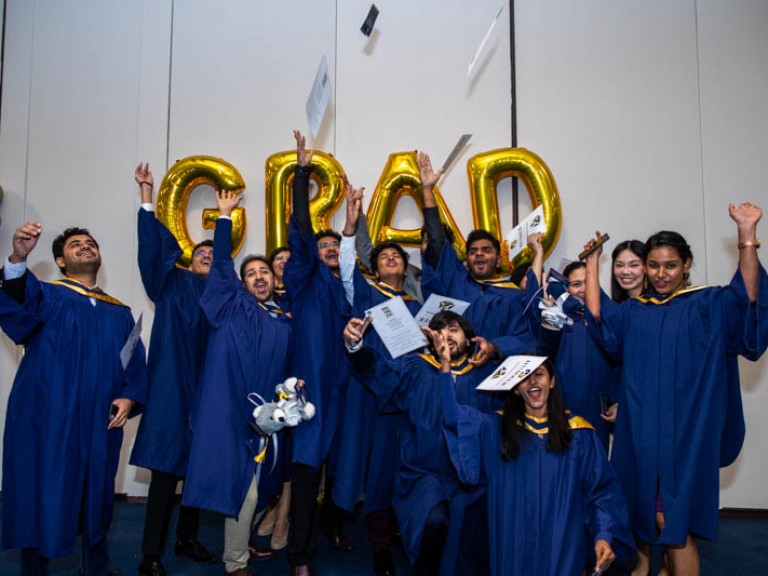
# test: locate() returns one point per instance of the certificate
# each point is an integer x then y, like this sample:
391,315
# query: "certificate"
396,327
436,303
319,98
130,345
518,237
512,371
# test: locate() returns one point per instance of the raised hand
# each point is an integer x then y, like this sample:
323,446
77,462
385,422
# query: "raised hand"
354,207
427,175
303,158
590,243
227,201
145,180
745,215
25,239
353,332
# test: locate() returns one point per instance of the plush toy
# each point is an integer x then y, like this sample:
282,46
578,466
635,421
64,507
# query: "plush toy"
289,408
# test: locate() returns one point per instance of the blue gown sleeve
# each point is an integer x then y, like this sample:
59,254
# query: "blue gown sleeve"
380,376
607,333
20,321
222,284
606,514
158,253
748,329
463,432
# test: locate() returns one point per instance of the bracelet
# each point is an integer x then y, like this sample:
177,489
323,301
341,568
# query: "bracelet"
747,243
146,184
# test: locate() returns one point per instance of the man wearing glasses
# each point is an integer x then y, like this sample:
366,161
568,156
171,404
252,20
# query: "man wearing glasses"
179,338
315,291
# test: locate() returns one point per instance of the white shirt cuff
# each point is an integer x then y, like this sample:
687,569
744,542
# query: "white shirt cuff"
12,271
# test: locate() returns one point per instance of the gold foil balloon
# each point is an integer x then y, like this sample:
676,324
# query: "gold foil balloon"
399,178
327,174
172,197
485,170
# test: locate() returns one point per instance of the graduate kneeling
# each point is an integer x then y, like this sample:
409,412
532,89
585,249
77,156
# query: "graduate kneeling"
554,502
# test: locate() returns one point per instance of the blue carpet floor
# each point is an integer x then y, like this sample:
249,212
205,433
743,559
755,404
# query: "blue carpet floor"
741,549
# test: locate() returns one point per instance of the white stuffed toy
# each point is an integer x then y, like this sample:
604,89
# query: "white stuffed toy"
289,408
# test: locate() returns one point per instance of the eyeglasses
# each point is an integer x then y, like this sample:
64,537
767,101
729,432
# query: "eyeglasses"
324,245
200,253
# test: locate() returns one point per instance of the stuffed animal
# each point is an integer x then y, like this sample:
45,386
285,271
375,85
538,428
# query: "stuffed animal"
289,408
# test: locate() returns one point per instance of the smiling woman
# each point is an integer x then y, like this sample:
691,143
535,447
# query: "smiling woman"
546,472
680,416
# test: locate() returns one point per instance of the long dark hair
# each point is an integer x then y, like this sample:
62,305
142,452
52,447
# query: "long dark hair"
618,294
513,434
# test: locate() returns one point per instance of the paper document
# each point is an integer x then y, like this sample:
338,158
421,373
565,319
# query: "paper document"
518,237
130,345
396,327
436,303
319,98
512,371
484,41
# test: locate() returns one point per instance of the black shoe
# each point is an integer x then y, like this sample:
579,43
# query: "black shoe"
151,568
193,549
383,565
337,538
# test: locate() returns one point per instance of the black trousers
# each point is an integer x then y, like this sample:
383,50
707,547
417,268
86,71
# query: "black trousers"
162,493
306,514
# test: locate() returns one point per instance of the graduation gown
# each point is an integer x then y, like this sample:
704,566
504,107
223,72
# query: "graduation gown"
368,438
546,509
57,449
176,354
680,415
425,475
248,351
316,309
496,306
585,374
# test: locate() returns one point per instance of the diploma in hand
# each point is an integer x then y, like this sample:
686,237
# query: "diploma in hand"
396,327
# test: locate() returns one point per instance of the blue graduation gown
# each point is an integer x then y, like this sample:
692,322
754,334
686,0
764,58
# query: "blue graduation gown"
368,438
545,509
248,351
585,374
496,307
425,475
57,448
680,416
316,309
176,354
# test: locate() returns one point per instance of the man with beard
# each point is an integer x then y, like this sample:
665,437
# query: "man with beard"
441,521
176,355
248,350
496,304
314,288
70,400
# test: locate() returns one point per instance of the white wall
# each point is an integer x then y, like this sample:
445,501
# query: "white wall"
648,112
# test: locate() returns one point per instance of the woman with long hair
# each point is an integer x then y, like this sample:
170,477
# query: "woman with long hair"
628,270
681,417
554,502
